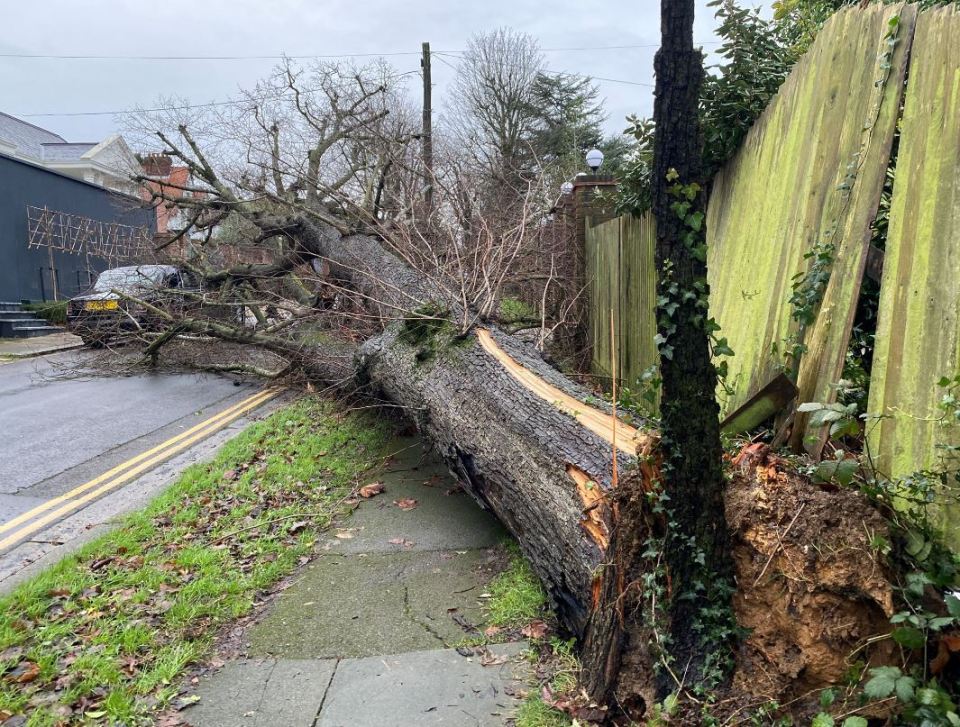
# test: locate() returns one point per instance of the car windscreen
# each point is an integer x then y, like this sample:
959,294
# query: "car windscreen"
130,279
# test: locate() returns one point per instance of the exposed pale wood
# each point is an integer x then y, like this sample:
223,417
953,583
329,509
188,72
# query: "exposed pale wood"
628,438
595,508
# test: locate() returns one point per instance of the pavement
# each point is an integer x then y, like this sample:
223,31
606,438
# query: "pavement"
14,348
366,634
78,452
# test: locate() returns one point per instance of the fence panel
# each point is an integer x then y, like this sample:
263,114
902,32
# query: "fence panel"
918,331
788,188
603,280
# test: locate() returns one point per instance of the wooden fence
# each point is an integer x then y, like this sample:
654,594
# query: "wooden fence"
808,180
619,266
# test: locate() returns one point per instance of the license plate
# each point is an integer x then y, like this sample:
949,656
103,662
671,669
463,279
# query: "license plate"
100,305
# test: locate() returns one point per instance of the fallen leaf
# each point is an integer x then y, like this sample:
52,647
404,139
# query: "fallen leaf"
343,534
590,713
25,672
948,645
490,659
230,475
535,630
371,490
297,527
401,542
492,630
407,503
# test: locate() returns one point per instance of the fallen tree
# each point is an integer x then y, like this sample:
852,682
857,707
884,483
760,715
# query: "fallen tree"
367,291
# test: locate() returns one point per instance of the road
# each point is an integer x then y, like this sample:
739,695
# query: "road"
70,449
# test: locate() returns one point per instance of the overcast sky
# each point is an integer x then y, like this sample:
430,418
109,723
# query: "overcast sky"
31,86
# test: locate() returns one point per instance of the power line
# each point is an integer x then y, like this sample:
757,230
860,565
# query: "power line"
79,57
183,107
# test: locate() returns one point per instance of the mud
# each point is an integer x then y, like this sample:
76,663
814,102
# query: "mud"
812,586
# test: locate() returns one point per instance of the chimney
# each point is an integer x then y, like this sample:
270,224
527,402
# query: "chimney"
156,165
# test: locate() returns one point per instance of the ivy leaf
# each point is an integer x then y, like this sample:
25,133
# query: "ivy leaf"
910,637
695,221
720,348
822,720
840,470
940,622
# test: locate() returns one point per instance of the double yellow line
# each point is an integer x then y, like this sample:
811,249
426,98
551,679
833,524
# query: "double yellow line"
126,471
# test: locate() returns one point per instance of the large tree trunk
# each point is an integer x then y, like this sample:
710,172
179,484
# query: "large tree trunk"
526,457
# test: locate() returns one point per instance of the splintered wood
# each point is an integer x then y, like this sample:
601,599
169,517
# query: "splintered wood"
628,439
596,516
594,520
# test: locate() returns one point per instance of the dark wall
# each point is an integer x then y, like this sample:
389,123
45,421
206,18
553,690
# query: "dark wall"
25,274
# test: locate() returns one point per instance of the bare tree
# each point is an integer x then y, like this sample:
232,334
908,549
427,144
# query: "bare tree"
491,98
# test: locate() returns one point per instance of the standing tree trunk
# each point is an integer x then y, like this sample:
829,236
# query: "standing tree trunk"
666,585
697,542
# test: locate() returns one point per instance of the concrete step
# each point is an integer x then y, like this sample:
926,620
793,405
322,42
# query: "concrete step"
16,327
19,315
8,305
34,331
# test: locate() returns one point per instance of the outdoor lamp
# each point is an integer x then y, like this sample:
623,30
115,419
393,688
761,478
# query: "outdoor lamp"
594,159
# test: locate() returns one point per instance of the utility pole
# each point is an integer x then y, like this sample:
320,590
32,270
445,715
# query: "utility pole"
427,131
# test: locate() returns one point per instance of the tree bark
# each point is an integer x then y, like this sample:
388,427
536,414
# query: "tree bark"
669,555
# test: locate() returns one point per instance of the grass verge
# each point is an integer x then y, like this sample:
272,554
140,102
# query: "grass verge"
516,595
101,637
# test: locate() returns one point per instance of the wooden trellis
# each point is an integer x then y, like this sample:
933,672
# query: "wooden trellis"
75,234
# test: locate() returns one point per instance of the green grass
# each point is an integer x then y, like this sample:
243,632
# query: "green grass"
560,670
535,713
111,628
516,595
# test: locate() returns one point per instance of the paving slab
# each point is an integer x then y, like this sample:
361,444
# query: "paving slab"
354,606
39,346
262,693
445,517
424,688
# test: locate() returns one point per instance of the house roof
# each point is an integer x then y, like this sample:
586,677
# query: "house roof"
65,152
25,137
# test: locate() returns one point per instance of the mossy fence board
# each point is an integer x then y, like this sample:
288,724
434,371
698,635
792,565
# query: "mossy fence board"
918,331
785,190
622,278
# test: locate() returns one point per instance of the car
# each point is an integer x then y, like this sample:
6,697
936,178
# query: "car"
105,311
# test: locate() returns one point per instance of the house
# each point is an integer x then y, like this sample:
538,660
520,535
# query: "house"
172,182
67,212
108,163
